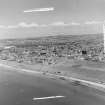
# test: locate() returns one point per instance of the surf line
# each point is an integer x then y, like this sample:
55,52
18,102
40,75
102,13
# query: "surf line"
51,97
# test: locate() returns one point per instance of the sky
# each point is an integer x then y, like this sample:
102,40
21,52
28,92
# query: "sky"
35,18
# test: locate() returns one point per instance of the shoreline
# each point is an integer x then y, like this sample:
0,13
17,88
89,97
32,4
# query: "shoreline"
94,85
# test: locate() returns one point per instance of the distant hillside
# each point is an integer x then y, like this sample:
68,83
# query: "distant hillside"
83,39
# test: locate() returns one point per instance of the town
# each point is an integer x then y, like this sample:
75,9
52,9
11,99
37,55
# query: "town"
51,51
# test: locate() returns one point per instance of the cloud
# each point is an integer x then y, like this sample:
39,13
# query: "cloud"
75,24
64,24
20,25
58,24
39,10
93,22
11,26
23,24
2,27
33,25
44,25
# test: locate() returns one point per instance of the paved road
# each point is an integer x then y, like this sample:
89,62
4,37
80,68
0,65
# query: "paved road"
20,89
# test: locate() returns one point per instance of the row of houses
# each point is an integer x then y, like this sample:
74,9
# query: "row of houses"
49,55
